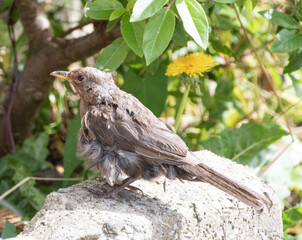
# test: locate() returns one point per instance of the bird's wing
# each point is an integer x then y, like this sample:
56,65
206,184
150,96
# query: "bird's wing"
135,129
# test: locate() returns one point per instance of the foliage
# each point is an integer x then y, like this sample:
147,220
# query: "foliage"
150,39
291,218
70,148
28,159
242,144
9,230
112,56
232,111
145,89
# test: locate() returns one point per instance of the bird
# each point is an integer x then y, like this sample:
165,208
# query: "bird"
120,137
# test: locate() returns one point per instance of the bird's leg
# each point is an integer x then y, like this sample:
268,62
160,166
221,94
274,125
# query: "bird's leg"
134,189
115,189
126,184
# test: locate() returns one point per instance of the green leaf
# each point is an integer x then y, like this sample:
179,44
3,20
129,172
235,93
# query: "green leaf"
34,152
56,26
111,24
218,46
254,2
295,62
243,144
5,4
287,41
28,190
297,85
289,236
153,67
275,75
158,33
14,201
298,13
280,19
9,230
296,177
36,147
4,36
248,6
133,34
4,169
117,13
194,20
145,89
292,217
225,23
130,4
216,105
70,160
112,56
146,8
225,1
102,9
180,35
240,3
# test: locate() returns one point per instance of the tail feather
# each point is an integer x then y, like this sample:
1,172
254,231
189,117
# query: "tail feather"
228,185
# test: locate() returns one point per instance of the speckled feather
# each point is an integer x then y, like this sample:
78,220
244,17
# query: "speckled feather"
122,138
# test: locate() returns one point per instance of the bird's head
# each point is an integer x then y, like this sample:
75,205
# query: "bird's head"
91,83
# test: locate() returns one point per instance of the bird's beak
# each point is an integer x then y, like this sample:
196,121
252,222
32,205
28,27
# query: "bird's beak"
61,74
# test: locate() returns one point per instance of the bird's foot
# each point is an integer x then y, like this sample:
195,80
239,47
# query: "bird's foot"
113,193
134,189
102,194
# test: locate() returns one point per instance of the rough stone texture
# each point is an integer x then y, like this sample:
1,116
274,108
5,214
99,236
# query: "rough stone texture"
188,210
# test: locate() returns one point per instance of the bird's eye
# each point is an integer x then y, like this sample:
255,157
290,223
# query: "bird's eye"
80,77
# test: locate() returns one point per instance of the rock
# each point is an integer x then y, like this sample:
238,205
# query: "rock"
188,210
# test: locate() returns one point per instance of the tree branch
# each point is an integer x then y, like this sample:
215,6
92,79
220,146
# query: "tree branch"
14,83
35,81
47,54
35,23
85,46
79,26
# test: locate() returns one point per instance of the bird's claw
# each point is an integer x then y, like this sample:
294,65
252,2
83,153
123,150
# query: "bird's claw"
134,189
111,194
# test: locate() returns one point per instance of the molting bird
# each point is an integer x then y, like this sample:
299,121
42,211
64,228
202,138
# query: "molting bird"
120,136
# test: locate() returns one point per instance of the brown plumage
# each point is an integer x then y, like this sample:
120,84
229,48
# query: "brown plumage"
120,136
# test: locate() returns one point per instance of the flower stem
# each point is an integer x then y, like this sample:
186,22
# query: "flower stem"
182,106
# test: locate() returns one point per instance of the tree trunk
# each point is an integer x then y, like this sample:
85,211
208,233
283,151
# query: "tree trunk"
46,54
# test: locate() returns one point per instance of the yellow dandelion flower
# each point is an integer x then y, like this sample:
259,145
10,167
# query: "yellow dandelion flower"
191,65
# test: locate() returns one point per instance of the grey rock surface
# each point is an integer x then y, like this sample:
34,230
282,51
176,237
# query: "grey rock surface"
188,210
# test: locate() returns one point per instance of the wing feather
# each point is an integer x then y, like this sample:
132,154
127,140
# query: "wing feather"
139,132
